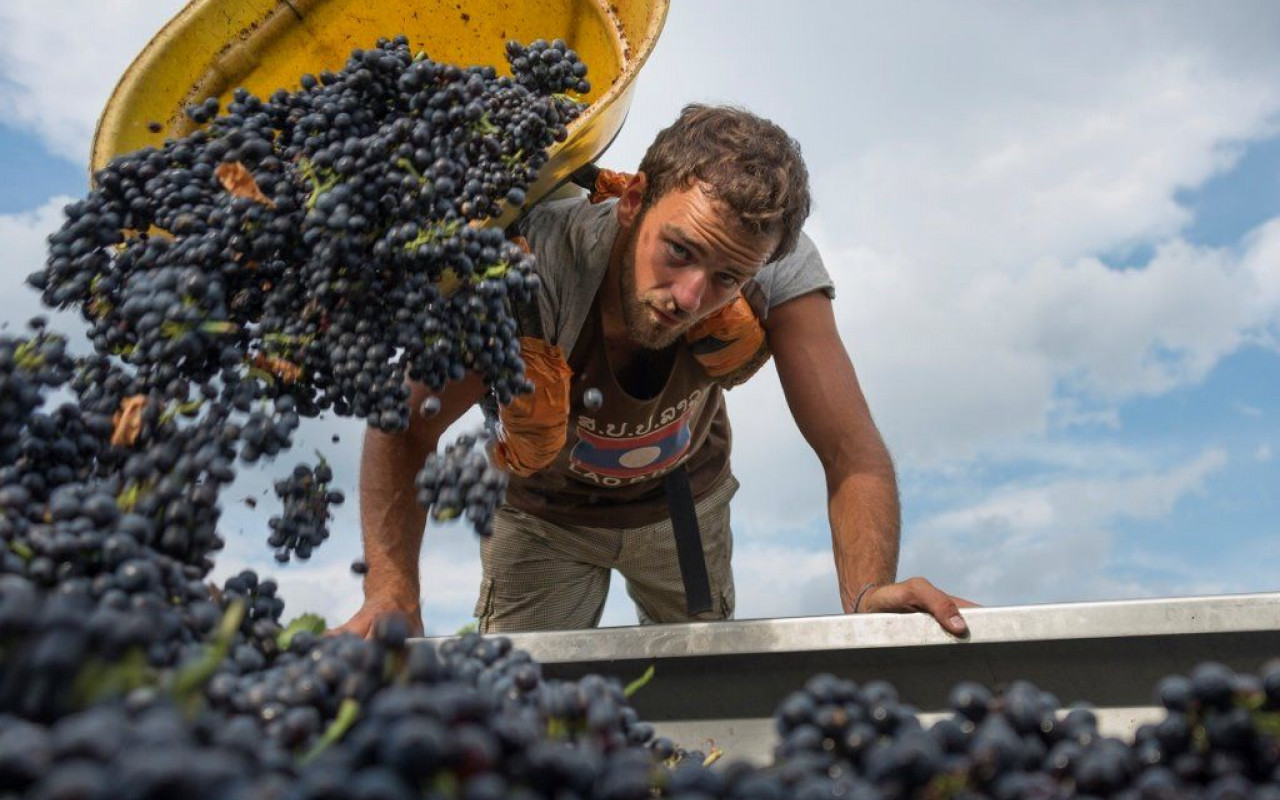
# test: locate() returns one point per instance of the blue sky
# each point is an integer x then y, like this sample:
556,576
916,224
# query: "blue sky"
1057,266
33,175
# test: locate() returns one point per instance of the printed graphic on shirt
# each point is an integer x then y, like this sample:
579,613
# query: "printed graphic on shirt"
613,458
632,457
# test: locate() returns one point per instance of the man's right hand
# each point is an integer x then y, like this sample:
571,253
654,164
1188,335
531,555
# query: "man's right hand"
374,607
391,519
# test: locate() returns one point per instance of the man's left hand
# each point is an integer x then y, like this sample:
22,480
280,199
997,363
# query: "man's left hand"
917,595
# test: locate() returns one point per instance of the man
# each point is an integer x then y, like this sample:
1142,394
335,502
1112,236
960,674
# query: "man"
705,237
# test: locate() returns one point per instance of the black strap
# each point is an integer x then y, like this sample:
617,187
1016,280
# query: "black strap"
684,523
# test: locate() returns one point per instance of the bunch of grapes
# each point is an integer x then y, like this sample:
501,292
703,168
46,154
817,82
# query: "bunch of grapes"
461,481
1217,740
299,253
305,522
321,242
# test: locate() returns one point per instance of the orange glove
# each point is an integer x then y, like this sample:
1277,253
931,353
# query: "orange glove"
608,184
535,425
730,344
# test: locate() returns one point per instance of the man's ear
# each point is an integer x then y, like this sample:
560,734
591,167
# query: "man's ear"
631,199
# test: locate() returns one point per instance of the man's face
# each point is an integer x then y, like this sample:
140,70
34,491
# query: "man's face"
683,258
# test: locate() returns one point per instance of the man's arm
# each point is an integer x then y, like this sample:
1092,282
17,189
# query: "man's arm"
862,494
391,519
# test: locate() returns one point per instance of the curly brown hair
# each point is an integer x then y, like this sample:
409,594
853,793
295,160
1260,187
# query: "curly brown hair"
744,161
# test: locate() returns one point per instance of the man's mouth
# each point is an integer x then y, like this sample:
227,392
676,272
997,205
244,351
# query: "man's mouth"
665,318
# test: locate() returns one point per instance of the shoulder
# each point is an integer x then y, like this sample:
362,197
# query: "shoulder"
571,240
569,227
798,273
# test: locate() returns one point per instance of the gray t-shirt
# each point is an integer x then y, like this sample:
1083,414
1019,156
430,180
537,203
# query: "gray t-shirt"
610,471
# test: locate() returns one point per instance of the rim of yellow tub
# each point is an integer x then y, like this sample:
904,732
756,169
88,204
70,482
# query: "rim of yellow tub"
211,47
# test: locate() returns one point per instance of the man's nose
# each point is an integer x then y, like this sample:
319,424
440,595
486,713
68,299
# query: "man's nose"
688,291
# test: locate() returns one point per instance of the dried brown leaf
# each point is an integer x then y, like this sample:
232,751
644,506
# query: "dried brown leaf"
238,180
128,420
286,371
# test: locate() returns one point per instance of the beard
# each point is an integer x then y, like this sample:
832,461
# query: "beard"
642,328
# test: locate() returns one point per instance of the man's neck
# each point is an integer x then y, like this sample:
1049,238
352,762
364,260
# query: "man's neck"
641,372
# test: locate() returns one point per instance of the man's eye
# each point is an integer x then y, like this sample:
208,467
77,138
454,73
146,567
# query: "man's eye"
727,279
679,251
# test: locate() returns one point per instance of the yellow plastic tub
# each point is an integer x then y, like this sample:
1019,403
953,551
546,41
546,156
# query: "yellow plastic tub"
214,46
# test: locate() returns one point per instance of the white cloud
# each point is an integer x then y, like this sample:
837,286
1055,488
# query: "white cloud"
957,371
1246,410
23,237
1054,541
60,61
1263,454
779,579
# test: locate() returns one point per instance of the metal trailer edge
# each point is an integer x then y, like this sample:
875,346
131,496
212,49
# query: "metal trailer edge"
720,682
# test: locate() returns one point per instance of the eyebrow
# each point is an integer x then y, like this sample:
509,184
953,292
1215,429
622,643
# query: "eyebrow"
672,232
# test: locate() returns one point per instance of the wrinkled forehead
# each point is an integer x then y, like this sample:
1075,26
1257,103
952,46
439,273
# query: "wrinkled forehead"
710,229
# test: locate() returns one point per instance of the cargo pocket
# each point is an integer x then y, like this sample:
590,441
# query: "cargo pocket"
484,605
727,603
724,607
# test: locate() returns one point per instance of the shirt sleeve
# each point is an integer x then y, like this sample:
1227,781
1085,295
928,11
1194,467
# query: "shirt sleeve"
571,240
789,277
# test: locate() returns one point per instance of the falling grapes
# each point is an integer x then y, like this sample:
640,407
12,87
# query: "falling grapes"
307,502
460,481
301,254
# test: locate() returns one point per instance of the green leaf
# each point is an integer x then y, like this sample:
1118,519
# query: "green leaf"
470,627
639,683
311,623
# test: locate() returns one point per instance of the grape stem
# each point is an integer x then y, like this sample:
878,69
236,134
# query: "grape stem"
639,683
188,681
321,181
348,713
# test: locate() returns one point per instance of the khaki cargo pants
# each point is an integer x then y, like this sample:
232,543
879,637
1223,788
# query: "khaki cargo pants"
542,576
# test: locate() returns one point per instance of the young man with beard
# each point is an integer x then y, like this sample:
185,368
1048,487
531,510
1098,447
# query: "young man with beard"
655,302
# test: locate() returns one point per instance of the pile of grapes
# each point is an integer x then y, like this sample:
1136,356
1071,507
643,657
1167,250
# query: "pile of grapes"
303,254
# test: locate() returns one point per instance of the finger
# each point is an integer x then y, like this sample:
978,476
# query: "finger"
963,603
945,611
350,626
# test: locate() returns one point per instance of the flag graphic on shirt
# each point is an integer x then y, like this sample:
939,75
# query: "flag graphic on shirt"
633,457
